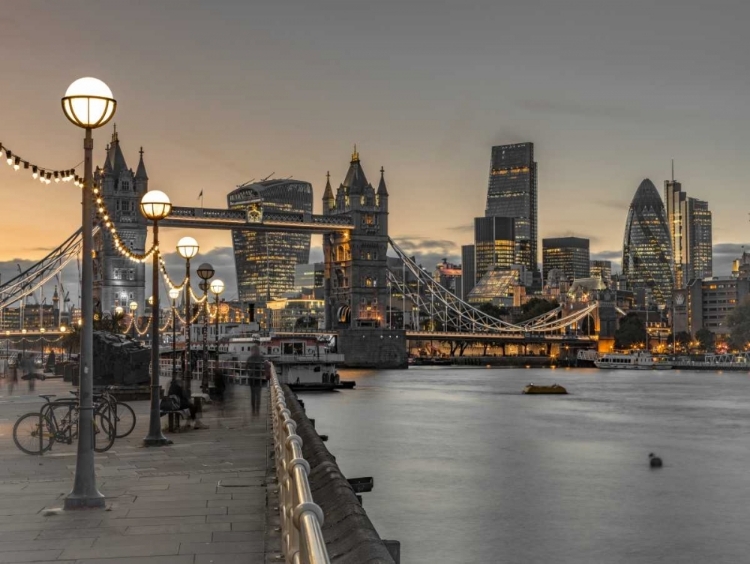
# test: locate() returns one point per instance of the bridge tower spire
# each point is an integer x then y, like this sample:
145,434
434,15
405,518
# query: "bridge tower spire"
356,275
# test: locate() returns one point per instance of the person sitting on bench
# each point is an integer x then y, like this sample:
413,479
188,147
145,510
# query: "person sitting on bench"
186,402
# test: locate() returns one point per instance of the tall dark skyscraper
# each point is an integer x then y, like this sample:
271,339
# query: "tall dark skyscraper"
265,262
689,220
569,254
493,248
647,247
512,192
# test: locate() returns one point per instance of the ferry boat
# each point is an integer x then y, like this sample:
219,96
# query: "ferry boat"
641,360
303,362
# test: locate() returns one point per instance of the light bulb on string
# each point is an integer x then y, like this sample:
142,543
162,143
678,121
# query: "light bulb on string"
34,173
9,156
17,163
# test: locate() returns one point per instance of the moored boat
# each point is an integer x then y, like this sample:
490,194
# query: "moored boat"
640,360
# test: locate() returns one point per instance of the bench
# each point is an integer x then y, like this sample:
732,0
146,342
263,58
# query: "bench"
174,418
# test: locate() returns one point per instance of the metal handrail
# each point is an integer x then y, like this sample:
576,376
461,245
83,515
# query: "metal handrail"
301,518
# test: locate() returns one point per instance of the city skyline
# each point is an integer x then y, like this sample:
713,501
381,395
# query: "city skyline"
583,108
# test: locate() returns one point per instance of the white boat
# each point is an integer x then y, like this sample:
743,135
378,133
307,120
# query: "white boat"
640,360
304,362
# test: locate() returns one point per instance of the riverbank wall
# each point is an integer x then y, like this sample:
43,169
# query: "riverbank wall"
349,534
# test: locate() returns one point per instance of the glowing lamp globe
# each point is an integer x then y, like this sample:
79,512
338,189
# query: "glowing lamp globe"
174,293
155,205
187,247
118,310
88,103
133,306
217,287
205,271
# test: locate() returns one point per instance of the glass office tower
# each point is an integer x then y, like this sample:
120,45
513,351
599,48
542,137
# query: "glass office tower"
265,262
512,192
647,246
569,254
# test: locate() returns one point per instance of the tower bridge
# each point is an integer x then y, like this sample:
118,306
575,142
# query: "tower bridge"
358,284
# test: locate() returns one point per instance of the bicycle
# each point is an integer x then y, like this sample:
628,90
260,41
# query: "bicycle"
120,413
57,421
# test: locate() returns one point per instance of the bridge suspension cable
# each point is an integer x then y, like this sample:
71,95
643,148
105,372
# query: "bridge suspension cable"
455,315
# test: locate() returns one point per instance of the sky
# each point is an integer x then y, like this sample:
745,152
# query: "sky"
222,92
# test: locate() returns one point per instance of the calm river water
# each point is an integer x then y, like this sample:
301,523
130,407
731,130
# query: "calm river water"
468,470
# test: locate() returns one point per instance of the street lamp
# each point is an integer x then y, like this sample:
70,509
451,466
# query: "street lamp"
205,272
187,247
88,103
133,307
217,287
174,293
155,206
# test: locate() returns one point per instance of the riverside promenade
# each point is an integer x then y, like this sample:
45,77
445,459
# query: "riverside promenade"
201,500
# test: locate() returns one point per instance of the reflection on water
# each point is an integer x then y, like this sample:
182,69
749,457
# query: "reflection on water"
469,470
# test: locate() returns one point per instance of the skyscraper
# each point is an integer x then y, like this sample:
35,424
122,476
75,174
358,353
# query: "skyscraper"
569,254
647,248
265,262
512,192
494,244
689,221
700,239
118,281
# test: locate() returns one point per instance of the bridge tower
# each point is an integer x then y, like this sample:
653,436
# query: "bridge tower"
118,280
355,276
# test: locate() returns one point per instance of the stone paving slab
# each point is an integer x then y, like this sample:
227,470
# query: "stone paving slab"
202,500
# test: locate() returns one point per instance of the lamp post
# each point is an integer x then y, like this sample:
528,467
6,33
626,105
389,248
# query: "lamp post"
187,247
174,293
217,287
133,308
205,272
155,206
88,103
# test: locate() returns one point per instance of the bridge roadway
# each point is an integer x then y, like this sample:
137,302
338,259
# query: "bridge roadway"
583,340
289,222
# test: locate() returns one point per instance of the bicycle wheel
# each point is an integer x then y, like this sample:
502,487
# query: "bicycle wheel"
124,420
33,434
104,432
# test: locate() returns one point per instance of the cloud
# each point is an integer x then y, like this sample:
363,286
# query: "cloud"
429,252
607,255
466,228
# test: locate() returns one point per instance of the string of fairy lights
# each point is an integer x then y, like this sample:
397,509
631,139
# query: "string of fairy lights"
43,174
47,176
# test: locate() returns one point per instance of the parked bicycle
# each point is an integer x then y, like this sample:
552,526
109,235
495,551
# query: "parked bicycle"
57,421
120,413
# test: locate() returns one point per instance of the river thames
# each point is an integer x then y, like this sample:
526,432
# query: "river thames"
469,470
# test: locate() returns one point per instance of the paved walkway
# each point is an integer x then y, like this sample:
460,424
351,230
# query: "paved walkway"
201,500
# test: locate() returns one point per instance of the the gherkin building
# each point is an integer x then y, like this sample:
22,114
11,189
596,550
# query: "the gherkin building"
647,248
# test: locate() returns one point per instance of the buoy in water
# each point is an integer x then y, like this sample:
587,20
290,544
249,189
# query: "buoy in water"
654,461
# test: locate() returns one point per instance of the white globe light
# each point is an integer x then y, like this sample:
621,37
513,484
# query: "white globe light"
89,103
174,293
155,205
217,287
187,247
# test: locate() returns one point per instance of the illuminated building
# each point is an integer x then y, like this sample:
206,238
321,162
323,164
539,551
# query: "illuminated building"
117,279
512,193
601,269
356,263
707,303
448,276
689,221
494,248
569,254
308,275
501,287
265,262
647,249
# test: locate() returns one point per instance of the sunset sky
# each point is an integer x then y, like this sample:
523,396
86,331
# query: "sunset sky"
221,92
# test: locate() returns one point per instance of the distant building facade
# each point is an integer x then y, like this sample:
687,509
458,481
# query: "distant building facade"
512,193
118,281
690,226
309,275
568,254
647,247
707,303
468,265
265,262
449,276
601,269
